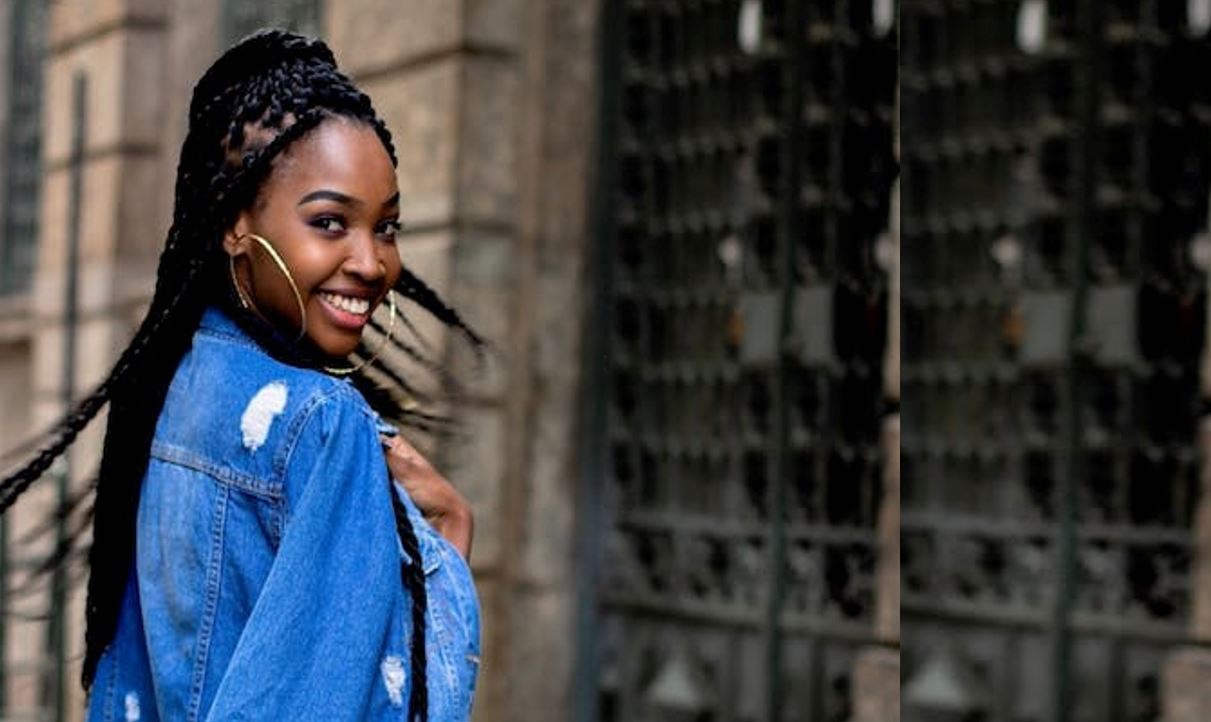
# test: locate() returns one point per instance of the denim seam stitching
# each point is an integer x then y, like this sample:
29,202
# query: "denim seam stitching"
279,514
442,640
298,422
227,476
112,687
209,607
223,336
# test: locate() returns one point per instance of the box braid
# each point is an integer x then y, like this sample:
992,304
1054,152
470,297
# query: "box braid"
251,104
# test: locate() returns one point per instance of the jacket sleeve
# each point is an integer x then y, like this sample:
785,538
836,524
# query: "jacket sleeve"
315,638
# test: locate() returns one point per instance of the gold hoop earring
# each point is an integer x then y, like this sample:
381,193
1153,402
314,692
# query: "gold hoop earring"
239,290
381,344
281,264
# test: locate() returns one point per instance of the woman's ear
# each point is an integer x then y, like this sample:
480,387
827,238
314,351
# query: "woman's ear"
235,241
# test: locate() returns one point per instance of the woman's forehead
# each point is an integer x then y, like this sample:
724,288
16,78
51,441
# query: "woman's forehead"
342,153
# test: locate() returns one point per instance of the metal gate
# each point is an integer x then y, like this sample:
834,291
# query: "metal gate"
1053,319
747,170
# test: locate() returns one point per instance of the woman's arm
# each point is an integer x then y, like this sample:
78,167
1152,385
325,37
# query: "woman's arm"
315,639
437,499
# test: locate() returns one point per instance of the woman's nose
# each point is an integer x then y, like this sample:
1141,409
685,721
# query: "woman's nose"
364,260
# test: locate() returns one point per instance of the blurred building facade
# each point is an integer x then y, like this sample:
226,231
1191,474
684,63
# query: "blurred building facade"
743,574
1055,485
677,222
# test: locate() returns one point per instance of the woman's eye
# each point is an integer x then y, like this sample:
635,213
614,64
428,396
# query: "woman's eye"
388,229
330,224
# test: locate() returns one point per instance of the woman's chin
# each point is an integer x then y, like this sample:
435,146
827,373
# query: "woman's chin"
336,350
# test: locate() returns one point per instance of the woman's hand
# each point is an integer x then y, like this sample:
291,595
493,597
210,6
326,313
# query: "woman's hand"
440,503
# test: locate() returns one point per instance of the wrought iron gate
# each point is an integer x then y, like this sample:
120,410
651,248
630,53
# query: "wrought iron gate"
1057,174
746,177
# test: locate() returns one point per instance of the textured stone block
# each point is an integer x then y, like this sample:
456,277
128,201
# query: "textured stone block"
421,109
549,539
114,222
15,373
876,686
538,659
887,583
371,35
484,292
482,375
495,23
139,232
487,158
474,461
143,88
103,60
97,345
1200,602
192,42
124,97
1186,686
72,20
428,256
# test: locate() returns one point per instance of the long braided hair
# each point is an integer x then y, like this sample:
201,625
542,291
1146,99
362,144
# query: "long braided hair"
255,100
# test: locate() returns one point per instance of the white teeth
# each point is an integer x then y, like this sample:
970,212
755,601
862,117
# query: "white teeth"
359,306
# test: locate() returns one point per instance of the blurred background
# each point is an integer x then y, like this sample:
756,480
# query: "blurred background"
1055,362
678,221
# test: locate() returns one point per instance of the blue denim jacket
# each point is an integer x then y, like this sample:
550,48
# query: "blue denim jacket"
267,576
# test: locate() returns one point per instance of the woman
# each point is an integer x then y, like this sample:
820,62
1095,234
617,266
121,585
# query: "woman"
252,558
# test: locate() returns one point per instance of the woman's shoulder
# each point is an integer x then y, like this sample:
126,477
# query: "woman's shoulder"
232,403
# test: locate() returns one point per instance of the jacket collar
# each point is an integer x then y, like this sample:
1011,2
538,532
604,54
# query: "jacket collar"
216,319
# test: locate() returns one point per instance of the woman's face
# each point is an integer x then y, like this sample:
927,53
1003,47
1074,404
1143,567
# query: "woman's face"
330,208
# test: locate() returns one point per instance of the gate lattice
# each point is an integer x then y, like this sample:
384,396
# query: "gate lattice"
752,152
1057,174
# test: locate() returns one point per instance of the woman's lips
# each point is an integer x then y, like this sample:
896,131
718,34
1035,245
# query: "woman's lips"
343,317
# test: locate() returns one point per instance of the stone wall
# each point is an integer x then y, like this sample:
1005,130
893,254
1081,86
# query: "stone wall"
6,18
491,106
118,47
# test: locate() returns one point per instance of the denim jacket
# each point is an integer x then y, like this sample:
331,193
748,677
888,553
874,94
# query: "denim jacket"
267,576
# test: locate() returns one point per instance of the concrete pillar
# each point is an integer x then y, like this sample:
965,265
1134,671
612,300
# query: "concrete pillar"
494,138
1186,686
876,676
1186,676
1200,587
118,45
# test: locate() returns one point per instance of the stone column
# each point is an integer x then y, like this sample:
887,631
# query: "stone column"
876,676
493,131
118,46
1186,677
555,181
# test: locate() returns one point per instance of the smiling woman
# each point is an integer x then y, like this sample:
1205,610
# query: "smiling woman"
332,208
264,544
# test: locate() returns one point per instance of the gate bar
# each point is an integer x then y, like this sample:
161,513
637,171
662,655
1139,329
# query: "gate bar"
1088,28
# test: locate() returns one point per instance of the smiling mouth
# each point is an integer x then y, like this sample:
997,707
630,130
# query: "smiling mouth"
348,312
348,304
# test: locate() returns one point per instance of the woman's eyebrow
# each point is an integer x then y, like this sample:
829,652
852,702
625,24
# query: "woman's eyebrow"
392,201
329,195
